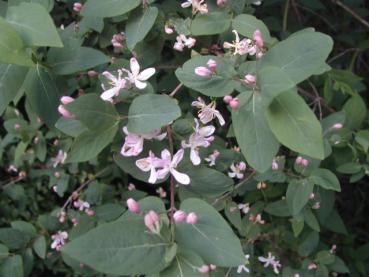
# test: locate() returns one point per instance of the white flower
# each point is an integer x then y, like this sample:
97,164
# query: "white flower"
136,77
197,6
207,112
245,208
117,84
60,158
169,166
202,137
183,41
243,266
241,47
133,143
58,240
150,164
236,170
271,261
81,205
212,158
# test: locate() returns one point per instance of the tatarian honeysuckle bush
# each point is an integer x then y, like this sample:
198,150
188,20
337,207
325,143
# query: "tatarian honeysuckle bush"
182,138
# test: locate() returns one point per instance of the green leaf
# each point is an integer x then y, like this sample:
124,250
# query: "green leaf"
139,24
295,125
43,94
278,208
73,58
47,4
298,193
39,246
151,111
300,56
109,212
325,257
257,142
12,238
311,220
34,24
12,267
272,82
25,227
70,126
11,46
361,137
326,179
216,85
247,24
4,251
90,143
355,110
308,244
11,77
95,113
210,24
211,237
120,248
208,182
108,8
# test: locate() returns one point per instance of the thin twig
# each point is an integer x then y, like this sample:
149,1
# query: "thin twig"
173,93
342,54
312,97
285,15
318,15
172,189
318,99
350,11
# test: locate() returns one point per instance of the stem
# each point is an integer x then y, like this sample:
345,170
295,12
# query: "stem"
285,15
173,93
350,11
172,196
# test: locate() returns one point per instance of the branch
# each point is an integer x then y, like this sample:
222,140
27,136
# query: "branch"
350,11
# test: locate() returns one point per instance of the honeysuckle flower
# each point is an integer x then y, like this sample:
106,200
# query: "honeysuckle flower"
152,221
162,193
169,30
203,71
202,137
204,269
250,79
12,168
117,83
81,205
136,77
77,7
60,158
271,261
236,170
150,164
241,47
117,40
274,165
63,111
169,165
208,112
212,158
58,240
234,103
183,41
179,216
197,6
243,267
245,208
133,143
191,218
133,206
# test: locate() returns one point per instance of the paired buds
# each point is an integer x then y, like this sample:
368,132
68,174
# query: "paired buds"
180,216
232,102
208,70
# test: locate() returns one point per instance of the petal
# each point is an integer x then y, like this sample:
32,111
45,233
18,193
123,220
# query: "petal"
146,74
178,157
144,164
207,131
125,130
135,67
220,118
109,94
195,158
180,177
140,85
153,176
162,173
165,155
186,4
109,76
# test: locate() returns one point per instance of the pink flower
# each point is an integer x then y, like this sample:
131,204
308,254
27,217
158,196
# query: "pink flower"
212,158
58,240
203,71
202,137
117,40
212,65
168,29
77,7
337,126
208,112
258,38
191,218
241,47
271,261
133,143
204,269
301,161
133,206
245,208
81,205
274,165
179,216
221,2
312,266
60,158
197,6
150,164
152,221
64,112
236,170
183,41
250,79
117,83
234,103
227,99
136,77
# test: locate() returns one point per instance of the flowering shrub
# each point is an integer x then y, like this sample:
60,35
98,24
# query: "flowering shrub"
175,138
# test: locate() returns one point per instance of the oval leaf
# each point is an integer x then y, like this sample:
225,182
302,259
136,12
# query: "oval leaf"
247,24
108,8
210,24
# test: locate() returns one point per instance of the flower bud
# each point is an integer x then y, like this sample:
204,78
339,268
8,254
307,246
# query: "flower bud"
227,99
212,65
191,218
274,165
304,162
92,73
337,126
316,206
133,206
298,160
213,267
151,219
312,266
168,29
77,7
258,38
17,126
234,103
312,195
89,212
179,216
221,2
203,71
204,269
250,79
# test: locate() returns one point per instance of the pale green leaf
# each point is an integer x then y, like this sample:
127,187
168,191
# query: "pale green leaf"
12,267
40,247
247,24
297,195
210,23
108,8
326,179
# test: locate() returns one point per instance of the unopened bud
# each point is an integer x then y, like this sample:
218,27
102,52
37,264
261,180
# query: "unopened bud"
179,216
337,126
212,65
204,269
234,103
191,218
227,99
203,71
151,221
77,7
133,206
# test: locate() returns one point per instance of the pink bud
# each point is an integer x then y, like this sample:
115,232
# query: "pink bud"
89,212
133,206
242,166
191,218
66,100
312,266
74,221
203,71
64,112
333,248
312,196
178,46
258,38
274,165
151,218
337,126
57,174
316,206
17,126
92,73
250,79
221,2
204,269
304,162
179,216
77,7
213,267
212,65
234,103
227,99
298,160
168,29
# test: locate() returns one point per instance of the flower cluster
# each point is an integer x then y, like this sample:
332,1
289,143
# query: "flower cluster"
182,42
246,46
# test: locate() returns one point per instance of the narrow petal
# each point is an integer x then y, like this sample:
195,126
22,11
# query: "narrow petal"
165,155
180,177
178,157
220,118
194,157
135,67
153,176
139,84
109,76
207,131
109,94
146,74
